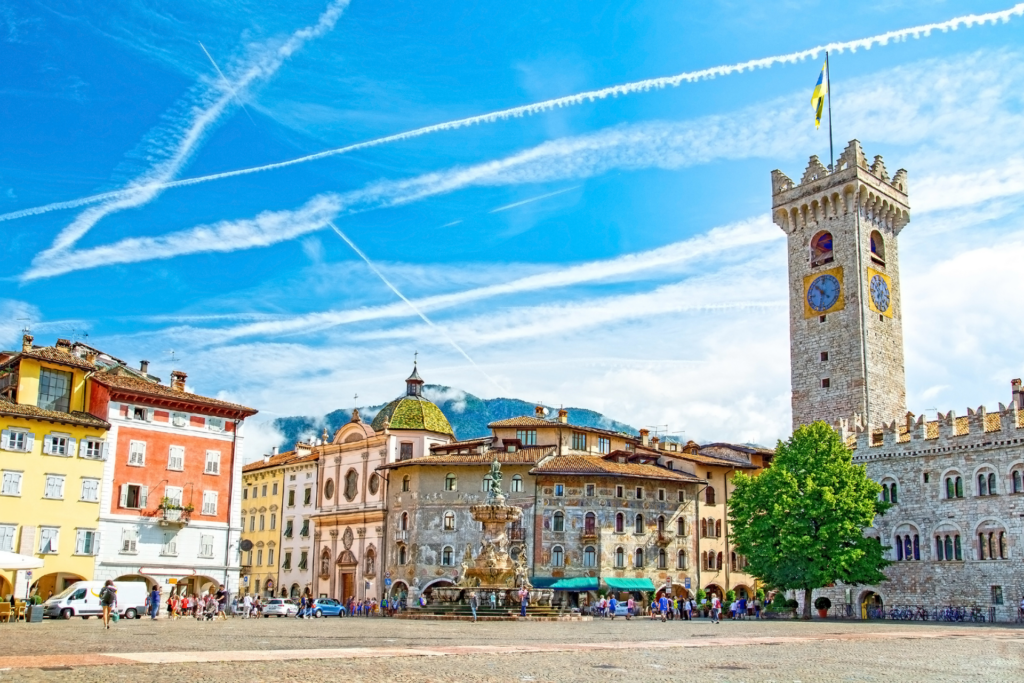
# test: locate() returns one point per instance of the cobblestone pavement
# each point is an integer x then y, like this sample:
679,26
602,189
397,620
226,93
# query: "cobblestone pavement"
391,649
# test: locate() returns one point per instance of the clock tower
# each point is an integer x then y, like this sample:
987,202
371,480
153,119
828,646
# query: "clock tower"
845,316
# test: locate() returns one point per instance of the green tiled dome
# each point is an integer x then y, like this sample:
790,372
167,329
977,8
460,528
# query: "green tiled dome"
413,412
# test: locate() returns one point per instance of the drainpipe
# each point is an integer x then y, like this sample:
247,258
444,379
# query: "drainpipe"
231,486
696,559
725,527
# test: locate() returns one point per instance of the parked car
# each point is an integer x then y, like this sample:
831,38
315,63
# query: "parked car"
326,607
280,607
82,599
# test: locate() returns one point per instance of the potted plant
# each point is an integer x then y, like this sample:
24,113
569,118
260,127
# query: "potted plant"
730,596
822,604
702,597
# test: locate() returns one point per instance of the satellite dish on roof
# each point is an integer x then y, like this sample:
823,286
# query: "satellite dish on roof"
245,545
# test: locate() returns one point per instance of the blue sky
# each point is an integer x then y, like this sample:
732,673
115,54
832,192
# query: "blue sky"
614,254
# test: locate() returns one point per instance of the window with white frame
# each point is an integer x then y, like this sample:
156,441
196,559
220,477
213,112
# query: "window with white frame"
517,484
85,541
215,424
176,458
206,545
259,557
209,502
49,537
129,540
604,445
134,496
16,440
174,494
213,463
90,490
58,444
7,537
11,483
448,556
179,419
92,449
137,453
270,557
170,546
557,556
54,487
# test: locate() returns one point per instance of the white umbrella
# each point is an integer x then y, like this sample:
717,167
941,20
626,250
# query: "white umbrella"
14,561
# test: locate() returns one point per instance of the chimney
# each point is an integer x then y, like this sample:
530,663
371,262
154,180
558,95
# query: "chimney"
91,355
64,345
144,367
563,416
1018,394
266,459
645,436
539,411
273,451
655,443
178,380
26,342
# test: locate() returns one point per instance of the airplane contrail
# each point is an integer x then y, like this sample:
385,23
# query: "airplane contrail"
533,199
437,328
226,82
882,39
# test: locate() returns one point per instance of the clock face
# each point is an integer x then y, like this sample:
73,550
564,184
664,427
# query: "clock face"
823,293
880,293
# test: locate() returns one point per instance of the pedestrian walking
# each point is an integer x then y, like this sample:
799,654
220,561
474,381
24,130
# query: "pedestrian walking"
663,607
222,603
153,603
612,604
474,602
630,606
108,600
494,600
757,608
524,601
246,606
716,607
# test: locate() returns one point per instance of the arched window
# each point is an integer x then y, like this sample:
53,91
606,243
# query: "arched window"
1002,546
638,558
877,248
718,528
371,563
620,523
662,559
590,524
709,495
959,487
917,547
899,547
557,556
405,483
558,521
732,561
704,528
449,521
908,547
982,547
992,484
958,553
589,556
681,527
517,484
638,524
1018,485
451,482
351,485
681,559
949,487
661,524
448,556
404,525
892,493
939,548
620,557
719,561
982,485
401,554
885,493
947,544
485,485
821,248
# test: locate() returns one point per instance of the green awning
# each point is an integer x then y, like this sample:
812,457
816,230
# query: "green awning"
580,583
629,584
542,581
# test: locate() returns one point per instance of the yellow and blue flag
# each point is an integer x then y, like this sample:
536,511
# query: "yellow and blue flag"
818,96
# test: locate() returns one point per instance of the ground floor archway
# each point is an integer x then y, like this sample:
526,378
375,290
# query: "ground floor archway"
743,593
6,587
713,589
50,584
428,590
871,605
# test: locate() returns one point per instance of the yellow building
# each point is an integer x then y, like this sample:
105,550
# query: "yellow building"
51,465
262,495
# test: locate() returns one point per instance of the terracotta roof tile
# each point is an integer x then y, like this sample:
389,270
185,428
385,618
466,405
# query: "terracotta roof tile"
521,456
52,354
591,464
274,461
708,459
135,385
74,417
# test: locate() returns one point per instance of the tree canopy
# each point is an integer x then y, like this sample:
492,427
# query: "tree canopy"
800,521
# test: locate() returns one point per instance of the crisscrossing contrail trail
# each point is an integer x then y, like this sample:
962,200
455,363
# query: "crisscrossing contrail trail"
882,39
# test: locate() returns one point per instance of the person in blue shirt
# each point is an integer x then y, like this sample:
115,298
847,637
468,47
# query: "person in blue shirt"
612,604
663,606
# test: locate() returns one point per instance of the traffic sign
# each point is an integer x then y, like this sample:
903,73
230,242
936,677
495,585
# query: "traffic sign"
387,583
686,583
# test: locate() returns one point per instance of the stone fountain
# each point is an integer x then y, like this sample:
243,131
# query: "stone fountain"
494,570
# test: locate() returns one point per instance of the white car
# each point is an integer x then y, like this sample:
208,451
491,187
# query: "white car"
280,607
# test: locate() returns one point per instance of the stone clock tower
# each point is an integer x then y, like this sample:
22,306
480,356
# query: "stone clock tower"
845,317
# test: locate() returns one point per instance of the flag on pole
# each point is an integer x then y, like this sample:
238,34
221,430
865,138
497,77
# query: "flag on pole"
818,96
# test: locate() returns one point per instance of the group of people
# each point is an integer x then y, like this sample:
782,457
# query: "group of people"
673,607
371,608
208,607
250,607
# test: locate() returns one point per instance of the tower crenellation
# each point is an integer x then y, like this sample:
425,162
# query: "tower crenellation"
842,226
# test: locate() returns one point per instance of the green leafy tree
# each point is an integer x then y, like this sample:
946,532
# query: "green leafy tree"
800,521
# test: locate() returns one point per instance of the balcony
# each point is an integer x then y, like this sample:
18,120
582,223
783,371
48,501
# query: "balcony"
589,534
663,539
173,515
402,535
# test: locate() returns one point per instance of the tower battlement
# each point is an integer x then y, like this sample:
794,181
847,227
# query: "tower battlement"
823,194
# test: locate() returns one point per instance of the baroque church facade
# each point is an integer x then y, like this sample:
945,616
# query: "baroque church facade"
954,530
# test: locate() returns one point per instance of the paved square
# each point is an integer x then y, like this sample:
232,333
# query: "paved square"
394,649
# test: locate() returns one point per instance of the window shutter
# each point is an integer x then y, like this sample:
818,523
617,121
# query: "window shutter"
72,444
47,444
149,414
96,543
143,496
128,412
124,495
80,543
5,439
104,450
30,442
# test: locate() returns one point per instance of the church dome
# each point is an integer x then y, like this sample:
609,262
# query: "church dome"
413,411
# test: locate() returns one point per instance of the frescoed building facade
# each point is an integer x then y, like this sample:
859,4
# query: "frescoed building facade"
298,510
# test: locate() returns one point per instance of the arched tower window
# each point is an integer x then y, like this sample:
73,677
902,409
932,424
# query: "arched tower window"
557,556
620,557
558,521
405,521
877,248
638,558
821,249
982,485
1018,484
992,484
639,524
620,523
892,493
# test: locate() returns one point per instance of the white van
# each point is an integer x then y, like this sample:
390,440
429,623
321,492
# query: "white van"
82,599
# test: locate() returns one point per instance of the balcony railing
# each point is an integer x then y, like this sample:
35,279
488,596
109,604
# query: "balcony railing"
174,516
663,538
402,535
589,534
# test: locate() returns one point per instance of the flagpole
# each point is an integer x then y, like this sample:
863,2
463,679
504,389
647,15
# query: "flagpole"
828,89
